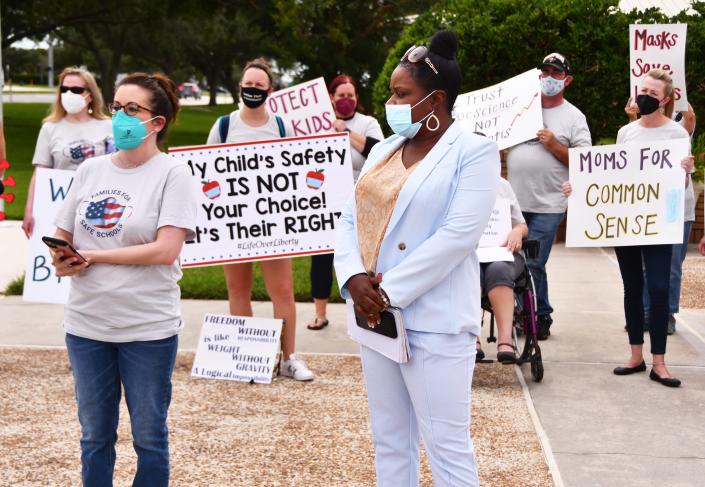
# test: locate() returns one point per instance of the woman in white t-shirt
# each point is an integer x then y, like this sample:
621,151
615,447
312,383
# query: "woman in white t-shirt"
252,123
76,129
128,214
364,133
655,102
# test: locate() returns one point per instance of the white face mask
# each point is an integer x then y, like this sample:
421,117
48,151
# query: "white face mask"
72,102
551,86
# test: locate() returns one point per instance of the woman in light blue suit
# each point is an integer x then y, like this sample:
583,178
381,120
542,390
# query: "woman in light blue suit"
413,224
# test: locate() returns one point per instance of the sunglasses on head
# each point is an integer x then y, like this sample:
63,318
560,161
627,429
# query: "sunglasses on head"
416,54
130,108
79,90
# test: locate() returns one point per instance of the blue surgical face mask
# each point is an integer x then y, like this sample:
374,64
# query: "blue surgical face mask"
129,131
551,86
399,118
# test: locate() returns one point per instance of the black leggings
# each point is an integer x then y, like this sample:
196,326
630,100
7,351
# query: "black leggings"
657,264
321,275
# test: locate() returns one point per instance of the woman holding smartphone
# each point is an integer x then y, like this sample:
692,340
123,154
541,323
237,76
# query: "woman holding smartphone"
128,214
76,130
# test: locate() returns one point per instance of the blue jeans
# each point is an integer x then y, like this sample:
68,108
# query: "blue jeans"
542,227
144,369
674,289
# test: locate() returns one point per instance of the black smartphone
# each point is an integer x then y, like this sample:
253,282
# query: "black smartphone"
387,327
56,243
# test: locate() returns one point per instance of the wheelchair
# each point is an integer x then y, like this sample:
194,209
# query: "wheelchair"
524,324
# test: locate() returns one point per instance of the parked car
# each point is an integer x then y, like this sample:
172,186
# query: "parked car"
187,90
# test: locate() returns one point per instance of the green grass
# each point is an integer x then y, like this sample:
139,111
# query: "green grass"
22,123
209,283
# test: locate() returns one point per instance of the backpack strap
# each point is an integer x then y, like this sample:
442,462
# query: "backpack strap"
280,124
223,127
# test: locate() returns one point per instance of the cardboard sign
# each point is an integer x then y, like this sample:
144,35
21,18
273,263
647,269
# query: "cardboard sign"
267,200
237,348
492,246
41,285
628,194
508,113
305,106
659,46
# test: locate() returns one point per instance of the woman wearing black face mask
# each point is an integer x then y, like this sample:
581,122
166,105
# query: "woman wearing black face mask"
655,102
252,123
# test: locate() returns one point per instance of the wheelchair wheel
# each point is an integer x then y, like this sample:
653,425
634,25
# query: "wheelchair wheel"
537,368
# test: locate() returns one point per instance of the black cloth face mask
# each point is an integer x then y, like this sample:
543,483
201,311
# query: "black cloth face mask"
647,104
253,97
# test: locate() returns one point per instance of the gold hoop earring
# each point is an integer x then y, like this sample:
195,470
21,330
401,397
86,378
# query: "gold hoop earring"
438,123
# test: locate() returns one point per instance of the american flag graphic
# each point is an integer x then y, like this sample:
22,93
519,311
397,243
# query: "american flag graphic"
105,213
82,152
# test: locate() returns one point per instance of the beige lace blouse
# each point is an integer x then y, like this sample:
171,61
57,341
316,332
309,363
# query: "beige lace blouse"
376,196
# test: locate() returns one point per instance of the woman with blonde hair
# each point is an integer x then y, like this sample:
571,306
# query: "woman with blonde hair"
655,101
76,129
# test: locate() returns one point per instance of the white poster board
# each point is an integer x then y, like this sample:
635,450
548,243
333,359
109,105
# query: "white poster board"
41,285
658,46
267,200
237,348
628,194
508,113
493,243
305,106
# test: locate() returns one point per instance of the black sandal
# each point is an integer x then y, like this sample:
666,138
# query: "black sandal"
317,324
506,357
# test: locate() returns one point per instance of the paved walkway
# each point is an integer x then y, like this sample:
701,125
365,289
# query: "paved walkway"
601,430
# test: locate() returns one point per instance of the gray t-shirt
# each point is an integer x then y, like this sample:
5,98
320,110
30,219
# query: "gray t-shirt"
109,208
239,131
367,126
65,145
505,191
534,173
635,131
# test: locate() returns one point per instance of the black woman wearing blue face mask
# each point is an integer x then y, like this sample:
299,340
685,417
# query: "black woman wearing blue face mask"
419,208
128,215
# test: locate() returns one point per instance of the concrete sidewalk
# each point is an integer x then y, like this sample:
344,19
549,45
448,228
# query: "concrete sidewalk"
602,430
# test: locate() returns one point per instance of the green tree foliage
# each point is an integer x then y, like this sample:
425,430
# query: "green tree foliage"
502,38
329,37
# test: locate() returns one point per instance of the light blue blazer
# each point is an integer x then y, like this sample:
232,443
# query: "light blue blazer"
428,257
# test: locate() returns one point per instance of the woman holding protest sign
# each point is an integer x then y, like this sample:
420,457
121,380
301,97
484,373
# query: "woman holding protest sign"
407,239
76,130
252,123
128,215
655,102
364,132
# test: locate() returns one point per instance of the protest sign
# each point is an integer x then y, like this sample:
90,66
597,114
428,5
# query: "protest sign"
237,348
41,285
659,46
492,246
305,106
265,200
627,194
508,113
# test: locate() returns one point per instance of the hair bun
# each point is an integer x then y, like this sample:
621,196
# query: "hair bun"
444,43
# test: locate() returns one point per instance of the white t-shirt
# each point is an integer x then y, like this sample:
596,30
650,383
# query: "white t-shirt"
109,208
534,173
65,145
504,190
239,131
367,126
635,131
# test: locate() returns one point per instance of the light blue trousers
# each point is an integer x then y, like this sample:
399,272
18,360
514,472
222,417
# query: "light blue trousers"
429,395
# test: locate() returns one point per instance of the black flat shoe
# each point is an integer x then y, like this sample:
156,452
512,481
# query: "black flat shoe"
506,357
666,381
479,355
630,370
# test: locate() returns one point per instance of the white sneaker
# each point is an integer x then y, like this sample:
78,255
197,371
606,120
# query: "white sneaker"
295,368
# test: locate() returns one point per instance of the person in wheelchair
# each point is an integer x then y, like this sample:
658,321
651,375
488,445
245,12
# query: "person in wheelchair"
497,279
